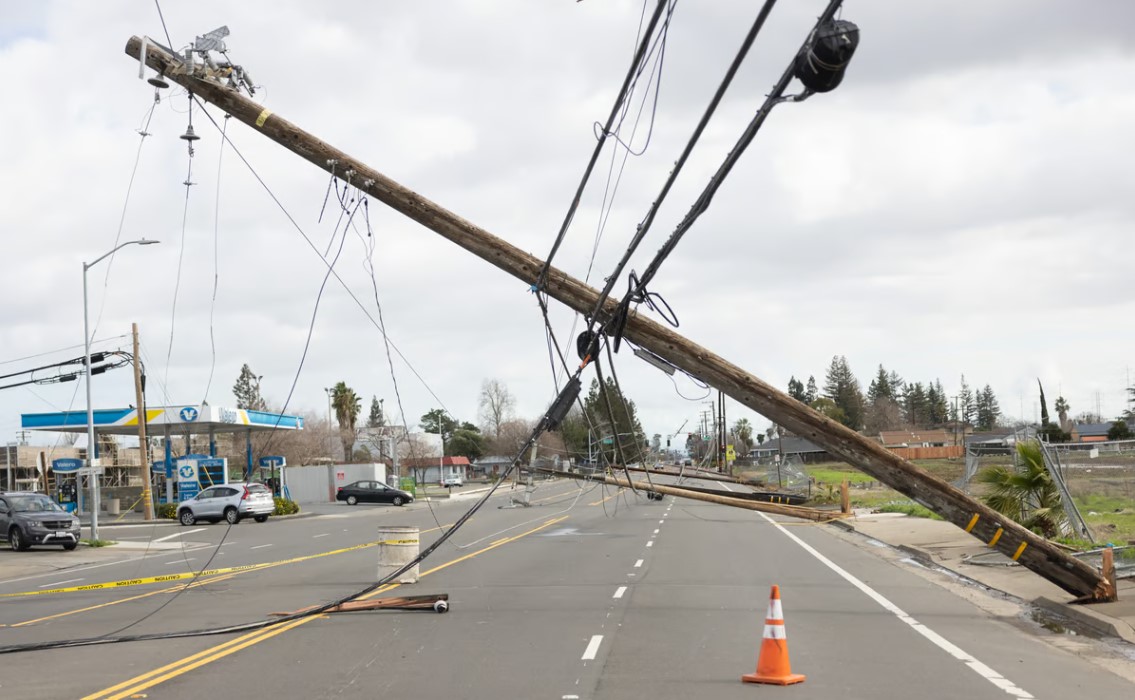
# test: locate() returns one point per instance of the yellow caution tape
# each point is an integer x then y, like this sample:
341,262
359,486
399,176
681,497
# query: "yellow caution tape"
397,542
187,575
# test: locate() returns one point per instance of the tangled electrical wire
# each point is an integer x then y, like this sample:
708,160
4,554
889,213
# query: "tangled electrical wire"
111,359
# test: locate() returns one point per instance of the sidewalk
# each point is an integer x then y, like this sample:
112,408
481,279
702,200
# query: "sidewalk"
945,545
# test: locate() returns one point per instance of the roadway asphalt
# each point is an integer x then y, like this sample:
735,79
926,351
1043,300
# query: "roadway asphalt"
572,598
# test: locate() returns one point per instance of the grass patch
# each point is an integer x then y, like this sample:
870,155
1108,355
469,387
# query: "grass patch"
912,509
98,543
835,474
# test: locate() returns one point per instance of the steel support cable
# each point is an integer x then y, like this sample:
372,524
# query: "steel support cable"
216,260
703,201
644,226
638,57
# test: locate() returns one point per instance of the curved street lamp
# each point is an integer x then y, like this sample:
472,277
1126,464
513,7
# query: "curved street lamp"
93,461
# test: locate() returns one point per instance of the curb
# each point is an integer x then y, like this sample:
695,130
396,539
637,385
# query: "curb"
1081,614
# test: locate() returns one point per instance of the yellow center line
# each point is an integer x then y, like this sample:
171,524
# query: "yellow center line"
160,675
606,499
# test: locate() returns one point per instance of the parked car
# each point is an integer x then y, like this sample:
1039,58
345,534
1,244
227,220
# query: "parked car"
372,492
453,480
28,519
228,502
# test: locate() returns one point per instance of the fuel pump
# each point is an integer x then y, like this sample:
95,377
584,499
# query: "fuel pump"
67,492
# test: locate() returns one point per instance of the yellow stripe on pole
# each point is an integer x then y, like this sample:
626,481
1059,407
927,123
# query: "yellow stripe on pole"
1017,554
972,522
996,536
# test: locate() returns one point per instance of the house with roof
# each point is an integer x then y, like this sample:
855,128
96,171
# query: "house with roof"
808,451
433,470
1090,432
915,438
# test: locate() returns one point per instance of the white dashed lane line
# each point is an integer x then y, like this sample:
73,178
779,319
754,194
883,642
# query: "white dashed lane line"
592,648
323,535
650,543
260,546
179,534
619,592
638,564
74,580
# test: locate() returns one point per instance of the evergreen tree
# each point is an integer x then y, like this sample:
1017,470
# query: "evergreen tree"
940,405
812,393
880,387
626,424
898,385
375,419
966,403
988,410
796,389
247,390
917,405
841,386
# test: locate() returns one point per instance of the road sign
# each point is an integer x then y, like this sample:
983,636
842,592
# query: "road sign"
273,461
730,454
187,484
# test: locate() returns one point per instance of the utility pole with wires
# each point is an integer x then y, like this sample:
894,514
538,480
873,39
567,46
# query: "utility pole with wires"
1000,533
143,451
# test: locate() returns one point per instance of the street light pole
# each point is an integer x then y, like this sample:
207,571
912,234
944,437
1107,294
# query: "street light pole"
330,434
92,460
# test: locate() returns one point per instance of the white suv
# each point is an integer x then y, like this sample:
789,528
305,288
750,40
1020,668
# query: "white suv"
228,502
453,480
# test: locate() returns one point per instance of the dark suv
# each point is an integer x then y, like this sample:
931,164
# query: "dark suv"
28,518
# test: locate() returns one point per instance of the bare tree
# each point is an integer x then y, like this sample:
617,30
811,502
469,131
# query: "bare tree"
497,405
512,436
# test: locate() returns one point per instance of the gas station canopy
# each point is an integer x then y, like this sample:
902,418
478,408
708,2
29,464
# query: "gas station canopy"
174,419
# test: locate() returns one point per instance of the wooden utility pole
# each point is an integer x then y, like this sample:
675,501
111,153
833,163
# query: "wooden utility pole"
997,531
668,490
143,448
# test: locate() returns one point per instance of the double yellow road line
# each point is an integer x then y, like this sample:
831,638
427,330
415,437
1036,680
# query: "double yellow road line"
138,684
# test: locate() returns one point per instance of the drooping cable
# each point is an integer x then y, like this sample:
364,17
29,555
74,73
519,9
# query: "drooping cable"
703,201
181,252
658,10
216,261
644,225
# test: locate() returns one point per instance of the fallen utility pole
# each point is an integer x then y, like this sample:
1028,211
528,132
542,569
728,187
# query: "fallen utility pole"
707,476
763,506
869,456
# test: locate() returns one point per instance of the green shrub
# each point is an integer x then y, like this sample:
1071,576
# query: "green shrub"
286,506
167,511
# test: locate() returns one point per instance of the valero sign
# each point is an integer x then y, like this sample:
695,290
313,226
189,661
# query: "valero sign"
66,465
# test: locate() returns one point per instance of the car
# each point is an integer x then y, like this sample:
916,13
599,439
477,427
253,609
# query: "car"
228,502
28,519
453,480
372,492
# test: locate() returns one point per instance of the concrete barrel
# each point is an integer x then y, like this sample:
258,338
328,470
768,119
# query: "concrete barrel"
113,506
397,546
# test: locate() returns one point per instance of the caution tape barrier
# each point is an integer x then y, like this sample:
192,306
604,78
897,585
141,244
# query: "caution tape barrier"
110,585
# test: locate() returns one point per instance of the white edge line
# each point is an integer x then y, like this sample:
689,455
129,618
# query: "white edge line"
938,640
592,648
178,534
618,592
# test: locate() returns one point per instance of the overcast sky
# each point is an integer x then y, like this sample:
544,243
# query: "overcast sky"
961,204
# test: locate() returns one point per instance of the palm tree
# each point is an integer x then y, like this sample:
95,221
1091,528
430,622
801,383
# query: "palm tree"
1026,493
347,405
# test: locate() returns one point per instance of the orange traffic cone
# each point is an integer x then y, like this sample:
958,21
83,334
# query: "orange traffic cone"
772,661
